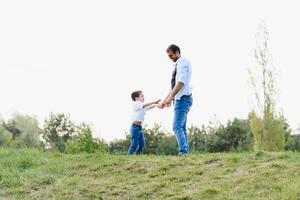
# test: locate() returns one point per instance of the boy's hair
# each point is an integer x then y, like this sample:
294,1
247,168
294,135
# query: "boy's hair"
173,48
135,94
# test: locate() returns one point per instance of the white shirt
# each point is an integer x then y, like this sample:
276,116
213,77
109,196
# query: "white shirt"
138,112
184,73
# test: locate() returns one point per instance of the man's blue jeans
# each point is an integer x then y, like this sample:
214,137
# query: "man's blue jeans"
137,140
181,109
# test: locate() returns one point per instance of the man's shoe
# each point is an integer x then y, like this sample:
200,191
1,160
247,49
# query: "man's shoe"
182,154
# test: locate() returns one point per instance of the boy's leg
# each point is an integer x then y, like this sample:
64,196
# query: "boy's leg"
141,143
134,140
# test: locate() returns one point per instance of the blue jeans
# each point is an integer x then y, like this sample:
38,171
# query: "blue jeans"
137,140
181,109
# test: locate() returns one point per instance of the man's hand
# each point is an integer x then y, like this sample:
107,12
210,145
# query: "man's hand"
160,105
167,102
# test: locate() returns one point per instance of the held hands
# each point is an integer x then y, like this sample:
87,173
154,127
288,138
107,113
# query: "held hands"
166,103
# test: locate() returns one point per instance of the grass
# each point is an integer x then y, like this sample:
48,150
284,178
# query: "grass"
33,174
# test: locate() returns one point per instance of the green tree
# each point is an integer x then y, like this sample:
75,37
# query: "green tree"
10,126
267,126
57,130
5,137
29,131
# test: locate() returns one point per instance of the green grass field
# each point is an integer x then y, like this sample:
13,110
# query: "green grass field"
33,174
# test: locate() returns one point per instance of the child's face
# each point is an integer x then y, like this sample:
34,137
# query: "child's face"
141,98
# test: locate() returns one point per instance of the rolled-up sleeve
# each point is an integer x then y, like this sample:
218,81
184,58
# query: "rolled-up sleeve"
182,73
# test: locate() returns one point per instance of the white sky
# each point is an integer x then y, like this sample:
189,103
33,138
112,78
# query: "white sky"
86,57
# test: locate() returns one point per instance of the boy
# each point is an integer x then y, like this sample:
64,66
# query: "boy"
139,110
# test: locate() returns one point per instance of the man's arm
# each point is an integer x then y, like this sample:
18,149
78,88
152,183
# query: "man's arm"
175,90
173,93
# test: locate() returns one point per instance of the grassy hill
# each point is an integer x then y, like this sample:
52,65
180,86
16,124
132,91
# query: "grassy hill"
32,174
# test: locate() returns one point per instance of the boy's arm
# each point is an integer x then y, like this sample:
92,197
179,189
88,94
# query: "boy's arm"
151,103
152,106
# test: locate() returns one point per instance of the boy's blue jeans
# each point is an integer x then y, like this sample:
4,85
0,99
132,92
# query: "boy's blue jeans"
181,109
137,140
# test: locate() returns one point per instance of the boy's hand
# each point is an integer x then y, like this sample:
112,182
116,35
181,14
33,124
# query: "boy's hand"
157,102
160,106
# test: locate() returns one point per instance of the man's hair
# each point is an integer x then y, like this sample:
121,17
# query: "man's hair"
135,94
173,48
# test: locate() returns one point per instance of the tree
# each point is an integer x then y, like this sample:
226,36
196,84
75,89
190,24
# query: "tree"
11,127
58,128
5,137
29,130
24,130
267,126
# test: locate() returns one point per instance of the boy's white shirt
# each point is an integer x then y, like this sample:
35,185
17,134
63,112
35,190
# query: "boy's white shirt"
138,112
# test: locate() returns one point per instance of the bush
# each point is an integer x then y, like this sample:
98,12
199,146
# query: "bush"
153,136
156,142
197,139
297,142
268,132
120,146
167,146
83,141
235,136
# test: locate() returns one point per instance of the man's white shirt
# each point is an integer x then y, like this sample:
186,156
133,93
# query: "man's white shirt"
183,74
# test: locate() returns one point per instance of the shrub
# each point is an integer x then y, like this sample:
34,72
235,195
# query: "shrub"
83,141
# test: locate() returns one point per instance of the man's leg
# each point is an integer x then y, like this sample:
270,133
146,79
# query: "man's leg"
141,143
188,102
134,140
178,124
185,133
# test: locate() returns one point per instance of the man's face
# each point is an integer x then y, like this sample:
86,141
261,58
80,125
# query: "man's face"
141,98
173,56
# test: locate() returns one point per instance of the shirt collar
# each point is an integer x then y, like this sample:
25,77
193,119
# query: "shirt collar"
175,64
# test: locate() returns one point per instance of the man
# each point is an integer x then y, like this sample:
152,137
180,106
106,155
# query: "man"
181,94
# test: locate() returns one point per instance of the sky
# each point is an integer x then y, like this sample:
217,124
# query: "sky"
86,57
